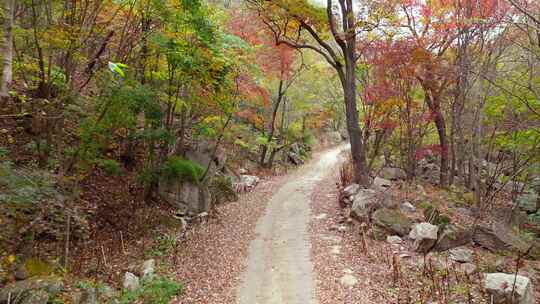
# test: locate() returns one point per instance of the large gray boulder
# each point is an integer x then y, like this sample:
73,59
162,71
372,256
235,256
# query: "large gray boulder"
424,236
381,184
202,152
461,255
364,204
453,236
501,237
390,222
188,197
509,289
528,202
351,190
50,285
488,238
393,173
468,268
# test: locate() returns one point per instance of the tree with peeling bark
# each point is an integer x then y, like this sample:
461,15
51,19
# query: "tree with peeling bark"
302,25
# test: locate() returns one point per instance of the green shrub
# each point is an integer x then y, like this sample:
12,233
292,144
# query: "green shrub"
157,291
164,244
443,221
178,168
3,152
110,166
535,218
242,144
147,176
308,139
424,205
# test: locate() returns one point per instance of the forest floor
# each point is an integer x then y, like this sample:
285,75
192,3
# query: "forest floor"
212,257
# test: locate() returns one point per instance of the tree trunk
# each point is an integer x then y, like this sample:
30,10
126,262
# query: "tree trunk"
353,123
7,50
434,104
272,124
476,177
477,152
443,142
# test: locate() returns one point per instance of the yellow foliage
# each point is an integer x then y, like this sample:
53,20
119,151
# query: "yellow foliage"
10,259
37,267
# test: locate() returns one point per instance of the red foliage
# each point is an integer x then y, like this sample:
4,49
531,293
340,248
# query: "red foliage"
271,58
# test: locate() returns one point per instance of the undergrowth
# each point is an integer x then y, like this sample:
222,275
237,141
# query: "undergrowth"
164,244
24,187
110,166
179,168
157,291
32,207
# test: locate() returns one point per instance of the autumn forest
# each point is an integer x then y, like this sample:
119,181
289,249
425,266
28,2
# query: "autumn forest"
256,151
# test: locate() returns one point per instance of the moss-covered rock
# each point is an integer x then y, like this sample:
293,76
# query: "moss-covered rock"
391,221
33,267
35,297
222,190
453,236
433,216
52,285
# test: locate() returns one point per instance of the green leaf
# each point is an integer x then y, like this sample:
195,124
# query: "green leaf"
116,68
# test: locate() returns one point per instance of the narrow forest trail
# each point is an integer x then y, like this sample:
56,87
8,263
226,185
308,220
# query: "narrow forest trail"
279,268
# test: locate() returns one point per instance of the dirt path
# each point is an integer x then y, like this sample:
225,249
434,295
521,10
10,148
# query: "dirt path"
279,268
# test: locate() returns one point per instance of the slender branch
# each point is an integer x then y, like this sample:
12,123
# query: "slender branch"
332,23
525,12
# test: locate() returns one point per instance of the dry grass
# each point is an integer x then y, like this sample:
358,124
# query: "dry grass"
346,173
